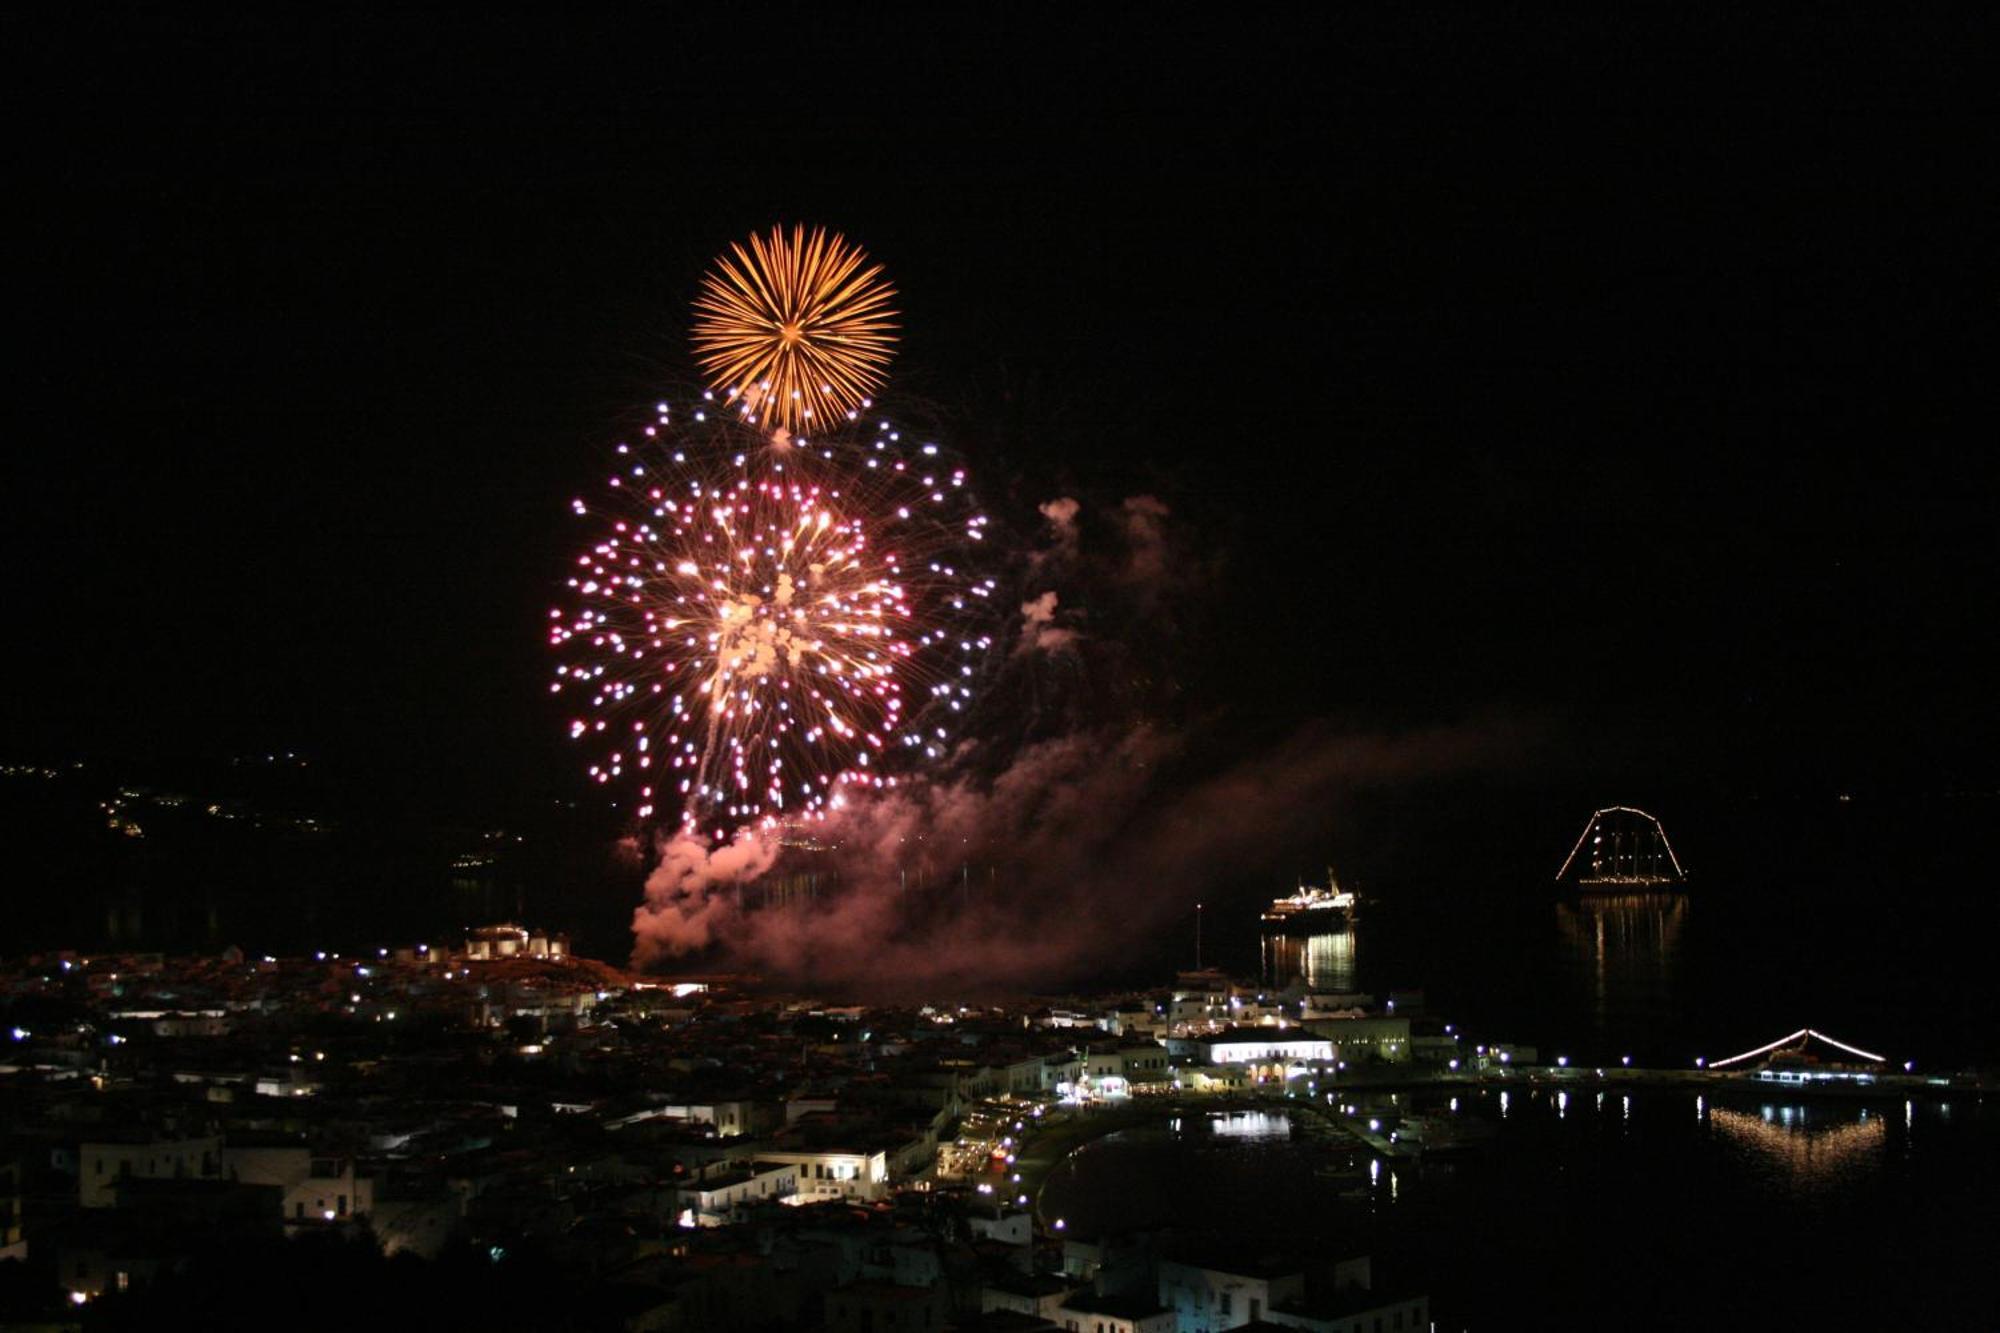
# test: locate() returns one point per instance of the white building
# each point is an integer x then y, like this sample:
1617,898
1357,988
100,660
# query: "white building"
834,1173
1217,1078
730,1118
1145,1062
293,1080
100,1166
507,940
317,1189
1336,1004
1366,1038
997,1222
1039,1296
1113,1071
1205,1298
713,1201
1359,1312
1087,1313
1243,1046
1023,1077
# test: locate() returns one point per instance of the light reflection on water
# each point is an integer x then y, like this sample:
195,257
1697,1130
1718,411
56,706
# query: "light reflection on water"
1787,1155
1325,962
1635,1192
1625,948
1813,1149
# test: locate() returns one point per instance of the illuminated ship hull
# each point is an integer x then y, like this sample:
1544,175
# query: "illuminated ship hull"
1309,912
1630,884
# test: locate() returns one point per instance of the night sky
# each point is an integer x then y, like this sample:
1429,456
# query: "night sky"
1630,380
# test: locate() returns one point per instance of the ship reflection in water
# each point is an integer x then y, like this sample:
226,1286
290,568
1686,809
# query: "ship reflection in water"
1626,949
1812,1148
1324,962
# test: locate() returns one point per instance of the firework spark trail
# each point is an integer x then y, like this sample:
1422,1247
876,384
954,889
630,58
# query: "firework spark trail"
796,329
762,622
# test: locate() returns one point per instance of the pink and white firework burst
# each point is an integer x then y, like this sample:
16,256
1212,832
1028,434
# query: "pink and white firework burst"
761,623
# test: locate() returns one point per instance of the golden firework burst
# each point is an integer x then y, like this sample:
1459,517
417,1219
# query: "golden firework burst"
796,329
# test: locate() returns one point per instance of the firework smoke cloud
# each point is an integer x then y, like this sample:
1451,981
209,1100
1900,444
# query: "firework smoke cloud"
796,636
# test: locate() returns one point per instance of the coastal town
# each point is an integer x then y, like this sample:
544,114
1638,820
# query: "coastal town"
704,1153
672,1154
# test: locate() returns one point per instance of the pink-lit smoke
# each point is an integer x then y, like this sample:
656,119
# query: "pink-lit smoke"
1144,522
1039,632
1061,513
1083,823
1063,863
688,898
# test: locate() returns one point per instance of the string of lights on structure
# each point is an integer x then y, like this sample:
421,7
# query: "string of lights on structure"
1592,823
1787,1040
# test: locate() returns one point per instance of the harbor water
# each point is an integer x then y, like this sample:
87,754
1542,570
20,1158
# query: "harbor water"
1595,1210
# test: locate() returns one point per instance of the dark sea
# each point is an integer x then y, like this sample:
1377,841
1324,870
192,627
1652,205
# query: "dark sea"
1870,920
1867,919
1652,1210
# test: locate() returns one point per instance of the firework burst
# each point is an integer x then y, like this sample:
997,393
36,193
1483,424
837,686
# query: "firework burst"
795,330
760,624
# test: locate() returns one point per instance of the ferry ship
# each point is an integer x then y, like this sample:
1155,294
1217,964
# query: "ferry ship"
1311,909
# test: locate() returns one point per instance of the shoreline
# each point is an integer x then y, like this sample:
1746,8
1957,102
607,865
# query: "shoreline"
1081,1127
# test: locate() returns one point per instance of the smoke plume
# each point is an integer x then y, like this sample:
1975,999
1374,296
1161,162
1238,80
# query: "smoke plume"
1076,818
1039,632
1060,865
687,902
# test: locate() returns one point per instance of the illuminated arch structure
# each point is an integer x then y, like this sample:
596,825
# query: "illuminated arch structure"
1802,1059
1621,848
1802,1050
